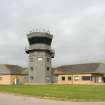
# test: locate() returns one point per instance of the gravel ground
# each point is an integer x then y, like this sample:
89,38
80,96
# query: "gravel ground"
10,99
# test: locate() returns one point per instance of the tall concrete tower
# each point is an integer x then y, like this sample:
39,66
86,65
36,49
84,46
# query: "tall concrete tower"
40,55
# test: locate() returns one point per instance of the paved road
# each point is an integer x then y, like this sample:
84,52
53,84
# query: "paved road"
10,99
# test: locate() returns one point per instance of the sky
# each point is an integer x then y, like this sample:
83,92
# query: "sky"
78,28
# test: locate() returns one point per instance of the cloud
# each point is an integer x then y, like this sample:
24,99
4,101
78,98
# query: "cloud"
77,26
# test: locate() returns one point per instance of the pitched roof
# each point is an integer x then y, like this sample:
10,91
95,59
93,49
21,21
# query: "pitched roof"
11,69
81,68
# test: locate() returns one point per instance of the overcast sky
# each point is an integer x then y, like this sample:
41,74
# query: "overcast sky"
78,27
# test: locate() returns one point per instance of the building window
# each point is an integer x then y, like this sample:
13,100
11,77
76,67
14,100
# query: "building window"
76,78
48,68
31,68
86,78
63,78
31,77
69,78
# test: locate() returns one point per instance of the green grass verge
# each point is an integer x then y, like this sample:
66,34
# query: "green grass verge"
60,92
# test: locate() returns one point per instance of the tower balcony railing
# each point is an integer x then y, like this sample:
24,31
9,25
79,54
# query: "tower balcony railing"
52,51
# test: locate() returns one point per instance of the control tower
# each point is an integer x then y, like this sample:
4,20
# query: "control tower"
40,55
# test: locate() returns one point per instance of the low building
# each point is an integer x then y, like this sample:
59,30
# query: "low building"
12,74
90,73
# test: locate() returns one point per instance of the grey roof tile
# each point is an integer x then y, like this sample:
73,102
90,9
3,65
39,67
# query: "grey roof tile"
81,68
11,69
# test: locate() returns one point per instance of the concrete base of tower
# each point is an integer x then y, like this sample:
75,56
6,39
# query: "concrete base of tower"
40,81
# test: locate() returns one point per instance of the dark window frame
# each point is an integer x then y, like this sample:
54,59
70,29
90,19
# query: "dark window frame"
69,78
86,78
63,78
48,68
41,40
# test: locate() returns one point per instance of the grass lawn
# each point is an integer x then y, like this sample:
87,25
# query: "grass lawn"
60,92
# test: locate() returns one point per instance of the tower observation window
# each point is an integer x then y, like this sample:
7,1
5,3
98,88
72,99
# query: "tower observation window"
40,40
48,59
86,78
48,68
